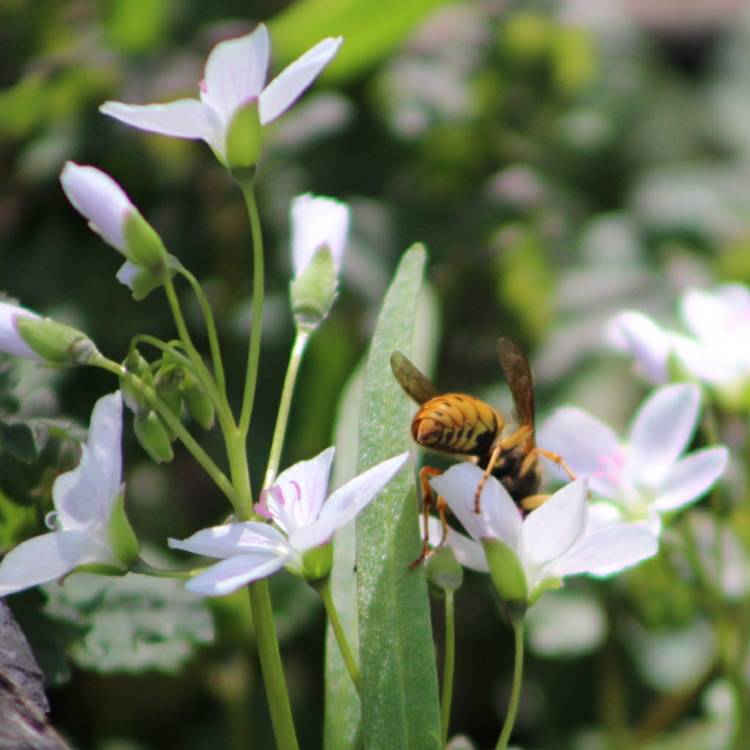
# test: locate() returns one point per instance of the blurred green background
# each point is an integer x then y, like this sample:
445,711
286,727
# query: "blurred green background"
561,161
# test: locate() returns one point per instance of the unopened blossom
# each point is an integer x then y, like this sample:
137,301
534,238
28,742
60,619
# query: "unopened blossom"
111,214
715,349
647,473
11,341
89,524
527,555
234,78
302,525
318,222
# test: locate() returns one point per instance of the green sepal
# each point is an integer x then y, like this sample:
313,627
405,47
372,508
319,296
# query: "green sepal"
143,246
122,538
197,402
317,563
443,571
244,137
56,342
313,292
153,436
506,571
548,584
138,366
141,281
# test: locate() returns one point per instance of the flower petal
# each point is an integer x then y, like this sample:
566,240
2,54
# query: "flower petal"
661,431
720,316
230,574
184,118
589,446
468,552
84,496
282,92
606,550
346,503
318,221
41,559
712,364
98,198
691,477
11,341
236,71
295,499
647,342
499,518
554,527
233,539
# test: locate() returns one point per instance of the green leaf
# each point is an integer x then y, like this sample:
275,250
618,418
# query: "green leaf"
370,30
134,623
399,680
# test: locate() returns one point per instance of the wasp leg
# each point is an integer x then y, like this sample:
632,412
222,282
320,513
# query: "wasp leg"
425,474
504,444
532,502
534,453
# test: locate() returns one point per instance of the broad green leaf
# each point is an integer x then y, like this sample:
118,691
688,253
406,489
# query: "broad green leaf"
399,681
133,624
370,30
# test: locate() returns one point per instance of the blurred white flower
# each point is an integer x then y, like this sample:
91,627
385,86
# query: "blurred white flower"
717,351
303,525
647,474
89,522
234,77
318,222
11,341
526,556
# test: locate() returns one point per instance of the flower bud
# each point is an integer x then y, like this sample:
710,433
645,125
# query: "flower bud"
244,138
143,246
444,572
198,404
168,381
153,436
134,363
56,342
506,571
314,291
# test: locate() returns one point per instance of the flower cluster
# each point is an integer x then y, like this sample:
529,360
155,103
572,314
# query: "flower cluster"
716,351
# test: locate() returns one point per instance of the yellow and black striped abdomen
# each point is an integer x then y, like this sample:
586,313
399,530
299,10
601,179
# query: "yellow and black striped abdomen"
456,423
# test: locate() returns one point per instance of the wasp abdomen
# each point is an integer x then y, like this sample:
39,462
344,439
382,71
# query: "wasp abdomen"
456,423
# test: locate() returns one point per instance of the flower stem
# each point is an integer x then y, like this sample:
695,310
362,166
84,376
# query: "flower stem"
256,324
515,693
282,417
146,569
208,317
324,589
449,661
271,666
150,397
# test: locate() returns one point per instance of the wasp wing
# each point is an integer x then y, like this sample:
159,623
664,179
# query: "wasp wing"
518,374
411,379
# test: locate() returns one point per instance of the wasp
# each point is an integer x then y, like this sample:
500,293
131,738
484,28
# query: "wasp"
462,425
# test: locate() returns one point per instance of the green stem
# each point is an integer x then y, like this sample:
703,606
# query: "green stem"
213,337
162,346
146,569
449,661
515,693
324,589
149,396
282,417
256,325
271,666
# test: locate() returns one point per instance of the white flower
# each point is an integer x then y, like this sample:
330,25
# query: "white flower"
318,222
88,518
717,351
11,341
647,474
528,555
303,524
234,76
